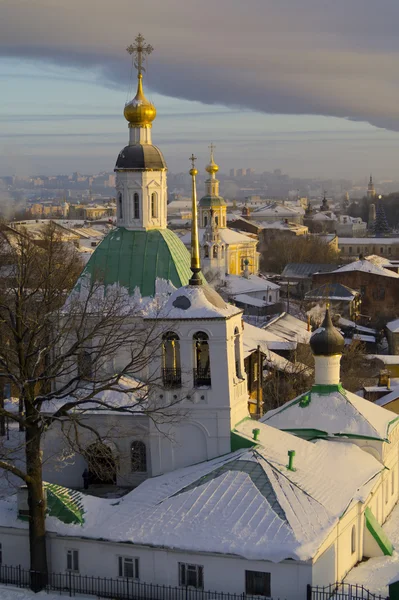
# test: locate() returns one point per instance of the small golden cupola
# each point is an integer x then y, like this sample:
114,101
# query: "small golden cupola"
140,112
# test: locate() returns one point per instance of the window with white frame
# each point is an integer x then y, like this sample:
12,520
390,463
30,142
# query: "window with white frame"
257,583
191,575
73,560
128,567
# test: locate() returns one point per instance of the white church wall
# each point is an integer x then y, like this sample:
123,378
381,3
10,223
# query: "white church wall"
64,465
15,547
160,566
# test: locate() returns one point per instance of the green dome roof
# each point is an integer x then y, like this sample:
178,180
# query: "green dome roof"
208,201
137,258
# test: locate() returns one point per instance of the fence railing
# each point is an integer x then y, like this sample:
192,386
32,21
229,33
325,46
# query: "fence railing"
202,376
171,377
120,588
342,591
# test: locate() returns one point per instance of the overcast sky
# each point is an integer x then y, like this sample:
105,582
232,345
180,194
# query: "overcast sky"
308,86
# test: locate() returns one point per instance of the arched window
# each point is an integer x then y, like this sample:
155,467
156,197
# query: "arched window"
215,252
120,205
138,457
353,540
154,207
222,252
216,221
171,369
205,220
237,353
206,251
270,297
224,221
136,206
202,366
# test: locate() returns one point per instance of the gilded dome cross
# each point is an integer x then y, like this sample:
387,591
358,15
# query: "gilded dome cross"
140,49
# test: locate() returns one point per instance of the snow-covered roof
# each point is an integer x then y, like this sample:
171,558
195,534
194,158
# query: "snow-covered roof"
277,210
393,326
227,236
335,413
255,336
250,300
342,322
305,270
362,337
366,267
238,284
194,302
246,503
290,328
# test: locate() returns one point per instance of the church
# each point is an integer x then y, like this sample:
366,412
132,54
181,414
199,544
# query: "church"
218,501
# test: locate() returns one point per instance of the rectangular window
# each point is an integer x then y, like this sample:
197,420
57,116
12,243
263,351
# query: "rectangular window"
257,583
389,250
128,567
191,576
73,560
350,249
7,391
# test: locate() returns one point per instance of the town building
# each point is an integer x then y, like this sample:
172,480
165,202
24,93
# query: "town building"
378,287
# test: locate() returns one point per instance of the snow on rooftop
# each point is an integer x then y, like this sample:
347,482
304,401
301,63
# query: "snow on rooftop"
366,267
390,397
290,328
194,302
227,236
238,284
255,336
245,503
338,412
387,359
250,300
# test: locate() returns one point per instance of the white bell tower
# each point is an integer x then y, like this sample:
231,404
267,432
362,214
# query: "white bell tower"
201,365
141,185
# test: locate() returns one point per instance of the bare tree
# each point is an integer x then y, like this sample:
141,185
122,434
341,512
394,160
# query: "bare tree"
277,252
63,344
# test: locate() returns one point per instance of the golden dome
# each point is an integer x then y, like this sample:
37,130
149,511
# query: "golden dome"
140,112
212,168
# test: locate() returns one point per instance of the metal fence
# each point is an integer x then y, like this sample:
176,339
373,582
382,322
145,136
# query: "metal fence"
342,591
105,587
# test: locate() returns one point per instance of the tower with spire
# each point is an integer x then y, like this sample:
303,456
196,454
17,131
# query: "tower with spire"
202,363
223,250
371,193
141,252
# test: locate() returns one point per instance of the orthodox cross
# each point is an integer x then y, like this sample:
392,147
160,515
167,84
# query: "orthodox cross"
212,147
140,49
193,159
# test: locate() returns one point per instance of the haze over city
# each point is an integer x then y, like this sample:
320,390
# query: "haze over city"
310,88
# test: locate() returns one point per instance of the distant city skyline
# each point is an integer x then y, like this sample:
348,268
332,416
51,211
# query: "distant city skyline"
246,86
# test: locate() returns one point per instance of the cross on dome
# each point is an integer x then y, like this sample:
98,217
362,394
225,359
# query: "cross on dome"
139,50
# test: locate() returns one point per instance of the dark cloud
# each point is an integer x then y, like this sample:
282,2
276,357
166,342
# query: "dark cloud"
324,57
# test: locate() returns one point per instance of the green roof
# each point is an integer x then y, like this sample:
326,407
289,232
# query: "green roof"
64,504
208,201
136,259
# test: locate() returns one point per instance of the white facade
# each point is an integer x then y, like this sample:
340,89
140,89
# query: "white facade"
141,198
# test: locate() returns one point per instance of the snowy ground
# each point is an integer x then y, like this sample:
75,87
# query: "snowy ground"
8,592
376,573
